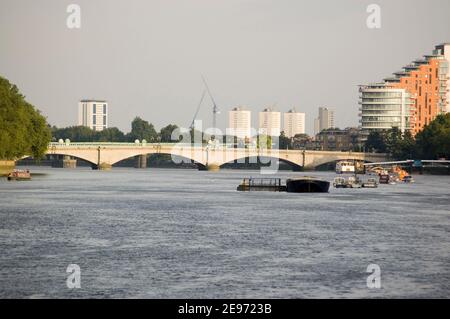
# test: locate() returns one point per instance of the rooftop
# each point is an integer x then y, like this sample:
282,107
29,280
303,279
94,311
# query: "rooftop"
93,100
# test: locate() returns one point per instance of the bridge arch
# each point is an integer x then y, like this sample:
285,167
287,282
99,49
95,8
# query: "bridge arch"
243,159
180,158
77,155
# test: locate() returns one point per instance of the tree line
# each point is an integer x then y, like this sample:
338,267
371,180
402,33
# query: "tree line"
140,130
433,142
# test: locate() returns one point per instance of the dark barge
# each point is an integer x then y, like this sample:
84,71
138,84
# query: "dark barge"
307,185
261,184
293,185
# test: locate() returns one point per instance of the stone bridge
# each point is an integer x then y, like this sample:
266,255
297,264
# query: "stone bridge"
104,155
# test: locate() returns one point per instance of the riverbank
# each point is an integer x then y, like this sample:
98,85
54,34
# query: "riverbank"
6,167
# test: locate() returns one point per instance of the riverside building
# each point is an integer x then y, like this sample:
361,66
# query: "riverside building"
325,120
93,114
425,80
239,123
270,122
294,123
383,107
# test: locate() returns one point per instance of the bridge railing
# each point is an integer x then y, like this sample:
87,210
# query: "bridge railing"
125,144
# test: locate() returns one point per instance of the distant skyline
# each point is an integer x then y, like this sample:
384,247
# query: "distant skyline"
146,58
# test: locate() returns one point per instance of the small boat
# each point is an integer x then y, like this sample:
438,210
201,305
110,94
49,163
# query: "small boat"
408,179
370,183
340,182
385,179
343,167
19,175
307,185
354,182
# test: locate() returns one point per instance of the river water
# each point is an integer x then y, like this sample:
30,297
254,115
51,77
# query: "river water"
176,233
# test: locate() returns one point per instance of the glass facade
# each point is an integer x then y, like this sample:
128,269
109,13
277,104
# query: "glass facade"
384,107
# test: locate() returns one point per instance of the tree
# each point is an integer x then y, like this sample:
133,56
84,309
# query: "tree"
264,141
376,142
284,142
23,130
74,134
142,130
111,134
166,133
433,141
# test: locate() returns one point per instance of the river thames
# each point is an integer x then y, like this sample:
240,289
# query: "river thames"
180,233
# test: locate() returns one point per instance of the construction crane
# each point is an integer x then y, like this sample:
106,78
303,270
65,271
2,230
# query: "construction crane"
198,109
215,108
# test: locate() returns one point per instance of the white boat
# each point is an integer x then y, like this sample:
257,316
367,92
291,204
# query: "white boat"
354,182
370,183
345,167
340,182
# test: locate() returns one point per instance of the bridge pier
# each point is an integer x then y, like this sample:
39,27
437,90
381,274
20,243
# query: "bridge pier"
102,166
141,161
213,167
65,162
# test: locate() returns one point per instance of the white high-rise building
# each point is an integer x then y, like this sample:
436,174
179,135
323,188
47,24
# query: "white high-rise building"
294,123
384,107
93,114
444,49
325,120
269,122
239,123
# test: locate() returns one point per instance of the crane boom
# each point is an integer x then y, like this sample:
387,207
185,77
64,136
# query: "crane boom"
215,108
198,109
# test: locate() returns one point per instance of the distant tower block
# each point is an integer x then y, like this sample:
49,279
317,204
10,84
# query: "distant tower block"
239,122
93,114
270,122
294,123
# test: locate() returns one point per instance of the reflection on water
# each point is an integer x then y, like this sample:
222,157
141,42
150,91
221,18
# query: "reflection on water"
189,234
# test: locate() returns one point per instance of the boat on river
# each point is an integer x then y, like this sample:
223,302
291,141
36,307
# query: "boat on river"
19,175
344,167
307,185
340,182
261,184
293,185
370,183
354,182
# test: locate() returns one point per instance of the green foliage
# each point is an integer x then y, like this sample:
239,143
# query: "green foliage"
166,133
85,134
432,142
284,142
23,130
375,142
264,142
143,130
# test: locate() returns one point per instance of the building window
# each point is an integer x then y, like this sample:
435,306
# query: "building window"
104,120
94,109
94,120
104,108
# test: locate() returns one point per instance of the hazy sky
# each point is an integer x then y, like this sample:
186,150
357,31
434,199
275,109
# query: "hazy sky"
146,57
